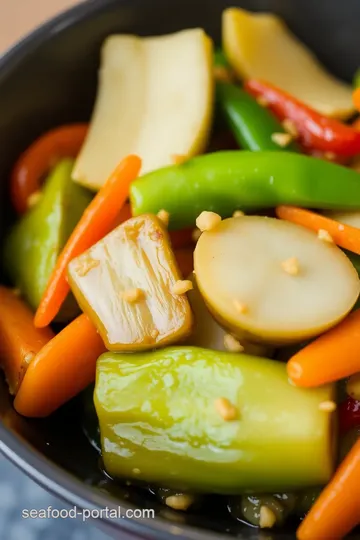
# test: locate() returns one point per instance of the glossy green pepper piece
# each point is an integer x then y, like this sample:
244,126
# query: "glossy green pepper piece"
36,240
251,124
161,422
230,180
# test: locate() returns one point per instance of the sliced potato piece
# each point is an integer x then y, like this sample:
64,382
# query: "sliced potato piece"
124,283
259,45
273,281
346,217
208,333
154,99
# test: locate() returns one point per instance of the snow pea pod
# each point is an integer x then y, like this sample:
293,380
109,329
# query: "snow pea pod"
164,418
252,125
225,181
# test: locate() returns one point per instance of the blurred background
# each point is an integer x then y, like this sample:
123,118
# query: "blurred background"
17,492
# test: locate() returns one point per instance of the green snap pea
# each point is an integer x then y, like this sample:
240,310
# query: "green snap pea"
225,181
252,125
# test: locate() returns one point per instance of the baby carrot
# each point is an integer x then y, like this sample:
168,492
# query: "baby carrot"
62,369
337,510
343,235
37,160
20,341
331,357
356,98
97,220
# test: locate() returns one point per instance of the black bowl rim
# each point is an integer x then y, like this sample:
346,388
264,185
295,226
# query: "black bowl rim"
43,471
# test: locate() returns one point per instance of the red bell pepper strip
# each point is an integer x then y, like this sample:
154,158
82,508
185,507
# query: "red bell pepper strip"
39,158
315,131
349,414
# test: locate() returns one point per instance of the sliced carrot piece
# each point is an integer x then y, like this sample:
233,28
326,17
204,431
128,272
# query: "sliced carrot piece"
331,357
62,369
337,510
98,219
343,235
20,341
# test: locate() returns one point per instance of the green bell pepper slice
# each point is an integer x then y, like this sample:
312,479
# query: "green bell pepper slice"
160,423
35,242
225,181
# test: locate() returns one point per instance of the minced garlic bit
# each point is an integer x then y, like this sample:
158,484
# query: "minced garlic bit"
178,159
281,139
29,357
238,213
164,216
291,266
240,306
195,235
232,344
325,236
261,100
267,517
34,198
330,156
290,127
223,74
133,295
86,266
327,406
226,409
207,221
182,286
179,502
136,471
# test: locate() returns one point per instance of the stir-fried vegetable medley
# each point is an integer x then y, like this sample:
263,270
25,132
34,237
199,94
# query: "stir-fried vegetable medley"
199,243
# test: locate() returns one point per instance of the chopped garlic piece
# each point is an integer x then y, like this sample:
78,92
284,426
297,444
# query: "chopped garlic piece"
291,266
182,286
207,221
290,127
179,502
327,406
133,295
325,236
267,518
34,198
281,139
226,409
232,344
164,216
238,213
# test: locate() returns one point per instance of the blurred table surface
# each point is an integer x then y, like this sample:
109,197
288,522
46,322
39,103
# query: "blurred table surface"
18,17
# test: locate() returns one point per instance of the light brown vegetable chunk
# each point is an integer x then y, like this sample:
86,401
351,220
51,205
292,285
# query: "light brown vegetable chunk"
136,256
243,260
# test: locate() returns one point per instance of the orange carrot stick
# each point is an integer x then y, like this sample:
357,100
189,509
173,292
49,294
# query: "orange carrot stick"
337,511
97,220
20,341
37,160
62,369
356,99
331,357
343,235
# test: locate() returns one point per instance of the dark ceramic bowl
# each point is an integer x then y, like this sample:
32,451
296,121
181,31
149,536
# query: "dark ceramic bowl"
49,79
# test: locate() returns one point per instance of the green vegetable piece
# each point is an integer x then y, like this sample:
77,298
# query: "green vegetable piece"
252,125
161,422
220,59
227,181
36,240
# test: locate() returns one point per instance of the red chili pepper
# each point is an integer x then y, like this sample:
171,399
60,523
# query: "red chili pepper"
349,414
40,157
315,131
